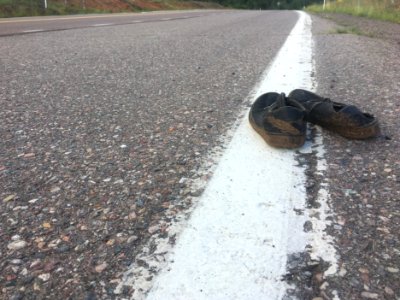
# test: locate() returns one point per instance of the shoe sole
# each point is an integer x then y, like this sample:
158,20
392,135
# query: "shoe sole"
278,140
357,133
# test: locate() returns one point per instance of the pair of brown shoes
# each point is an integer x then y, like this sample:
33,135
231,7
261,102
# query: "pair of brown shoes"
281,120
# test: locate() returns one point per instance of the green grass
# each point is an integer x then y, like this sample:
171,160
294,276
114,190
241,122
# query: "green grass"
22,8
386,10
348,30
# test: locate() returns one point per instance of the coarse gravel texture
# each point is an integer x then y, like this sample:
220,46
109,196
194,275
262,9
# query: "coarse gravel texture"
100,130
363,176
365,26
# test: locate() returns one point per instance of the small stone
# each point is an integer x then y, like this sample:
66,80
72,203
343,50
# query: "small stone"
101,267
63,249
46,225
324,285
369,295
153,229
16,261
132,216
55,190
308,226
110,242
317,298
24,272
387,170
54,243
45,277
17,245
41,245
32,201
319,277
123,146
131,239
35,264
9,198
16,237
363,270
392,270
29,155
389,291
107,179
342,272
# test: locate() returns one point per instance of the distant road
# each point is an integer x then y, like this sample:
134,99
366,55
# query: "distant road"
14,26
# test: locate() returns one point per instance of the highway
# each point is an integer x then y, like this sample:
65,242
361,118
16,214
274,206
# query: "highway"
124,141
56,23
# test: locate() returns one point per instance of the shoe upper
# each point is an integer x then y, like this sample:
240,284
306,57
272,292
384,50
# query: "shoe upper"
276,114
324,112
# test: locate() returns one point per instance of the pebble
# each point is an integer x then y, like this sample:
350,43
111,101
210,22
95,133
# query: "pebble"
44,277
16,245
153,229
9,198
369,295
392,270
55,189
101,267
16,261
131,239
389,291
16,237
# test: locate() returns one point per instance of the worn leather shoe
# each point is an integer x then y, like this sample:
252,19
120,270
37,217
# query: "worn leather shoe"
346,120
279,120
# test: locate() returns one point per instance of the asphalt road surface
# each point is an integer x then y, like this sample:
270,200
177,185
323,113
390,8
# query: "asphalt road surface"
26,25
106,127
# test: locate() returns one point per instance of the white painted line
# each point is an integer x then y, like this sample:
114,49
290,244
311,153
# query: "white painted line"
236,242
32,30
100,25
238,238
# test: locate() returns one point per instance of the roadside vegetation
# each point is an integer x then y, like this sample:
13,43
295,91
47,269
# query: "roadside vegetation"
387,10
19,8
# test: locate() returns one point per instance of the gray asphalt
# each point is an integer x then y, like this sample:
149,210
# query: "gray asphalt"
363,176
101,130
25,25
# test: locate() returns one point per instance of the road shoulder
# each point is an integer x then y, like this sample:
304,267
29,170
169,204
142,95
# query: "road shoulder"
363,176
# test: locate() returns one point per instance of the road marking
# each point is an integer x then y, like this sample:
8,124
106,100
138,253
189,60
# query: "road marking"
104,24
41,19
236,243
166,19
33,30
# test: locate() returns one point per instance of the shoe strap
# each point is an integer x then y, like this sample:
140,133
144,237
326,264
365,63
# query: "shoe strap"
297,104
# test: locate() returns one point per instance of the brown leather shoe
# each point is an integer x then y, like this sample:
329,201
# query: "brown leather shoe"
346,120
279,120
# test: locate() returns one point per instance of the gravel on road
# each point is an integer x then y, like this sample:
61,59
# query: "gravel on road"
363,176
102,130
